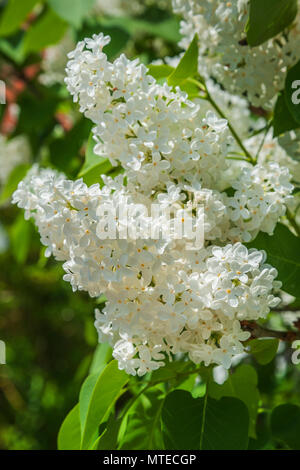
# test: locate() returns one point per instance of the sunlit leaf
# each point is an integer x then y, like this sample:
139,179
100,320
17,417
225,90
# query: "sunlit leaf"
69,433
97,396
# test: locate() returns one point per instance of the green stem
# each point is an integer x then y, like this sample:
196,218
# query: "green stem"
237,158
198,84
263,141
250,159
208,97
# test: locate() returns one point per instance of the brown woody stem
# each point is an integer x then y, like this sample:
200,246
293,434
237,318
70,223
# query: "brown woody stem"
258,331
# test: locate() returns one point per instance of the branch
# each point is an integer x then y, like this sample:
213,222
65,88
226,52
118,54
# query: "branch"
286,308
258,331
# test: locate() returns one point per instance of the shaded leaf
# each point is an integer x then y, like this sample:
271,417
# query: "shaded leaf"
143,429
204,423
285,425
268,18
283,252
109,438
264,349
283,120
242,384
291,91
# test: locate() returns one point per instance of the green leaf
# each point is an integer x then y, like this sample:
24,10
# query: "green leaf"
264,349
160,71
109,438
102,355
14,14
65,150
268,18
36,112
17,174
12,50
48,30
94,166
263,440
72,11
143,429
283,120
69,434
291,91
204,423
283,252
190,88
188,66
97,396
20,236
285,425
242,384
163,71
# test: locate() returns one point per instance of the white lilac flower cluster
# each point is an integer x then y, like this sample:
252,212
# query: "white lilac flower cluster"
162,298
156,134
164,141
259,72
13,152
262,192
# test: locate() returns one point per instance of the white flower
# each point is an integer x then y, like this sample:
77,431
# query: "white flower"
259,72
161,299
262,194
139,123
